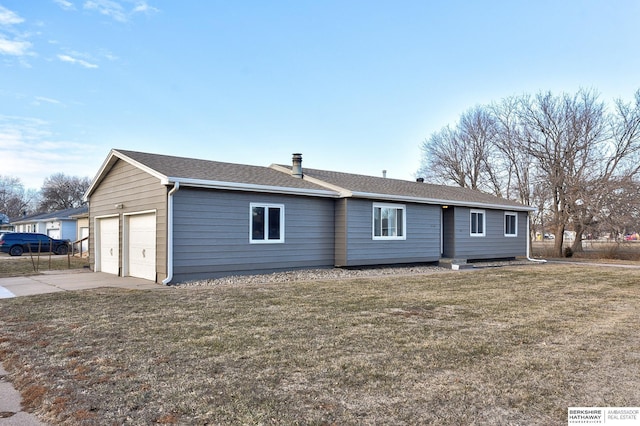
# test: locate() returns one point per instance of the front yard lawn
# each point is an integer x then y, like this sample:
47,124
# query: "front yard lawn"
33,264
515,345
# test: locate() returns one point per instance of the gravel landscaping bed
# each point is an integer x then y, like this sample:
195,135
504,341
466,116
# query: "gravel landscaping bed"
337,274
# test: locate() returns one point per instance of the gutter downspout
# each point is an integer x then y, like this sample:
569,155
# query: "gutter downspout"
175,188
529,244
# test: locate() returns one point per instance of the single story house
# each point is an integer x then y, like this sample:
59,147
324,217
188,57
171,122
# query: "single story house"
61,224
5,223
82,231
171,219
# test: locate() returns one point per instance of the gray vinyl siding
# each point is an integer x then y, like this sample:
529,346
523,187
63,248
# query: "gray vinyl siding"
494,244
211,234
422,243
137,191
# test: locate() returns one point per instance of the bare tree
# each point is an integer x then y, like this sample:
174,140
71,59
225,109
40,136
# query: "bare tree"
14,200
463,155
519,178
566,154
445,160
620,208
478,131
63,192
563,134
623,150
611,171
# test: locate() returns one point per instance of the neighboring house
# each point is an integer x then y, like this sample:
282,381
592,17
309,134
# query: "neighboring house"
60,224
171,219
82,230
5,223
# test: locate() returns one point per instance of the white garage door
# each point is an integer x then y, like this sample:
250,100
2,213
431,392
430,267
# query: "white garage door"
107,261
142,246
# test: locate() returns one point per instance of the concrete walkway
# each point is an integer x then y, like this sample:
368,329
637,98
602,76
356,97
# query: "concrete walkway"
76,279
11,413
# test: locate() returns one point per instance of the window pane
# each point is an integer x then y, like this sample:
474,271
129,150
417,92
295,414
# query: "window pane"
257,224
384,214
477,223
274,223
391,214
388,222
510,224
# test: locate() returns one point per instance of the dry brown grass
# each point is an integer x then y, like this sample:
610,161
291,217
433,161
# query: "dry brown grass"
594,250
513,345
28,265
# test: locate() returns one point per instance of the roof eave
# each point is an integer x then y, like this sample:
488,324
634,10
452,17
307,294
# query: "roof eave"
237,186
44,219
422,200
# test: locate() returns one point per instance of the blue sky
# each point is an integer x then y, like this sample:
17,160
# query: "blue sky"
355,86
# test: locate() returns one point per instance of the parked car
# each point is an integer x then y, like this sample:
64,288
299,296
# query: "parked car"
16,243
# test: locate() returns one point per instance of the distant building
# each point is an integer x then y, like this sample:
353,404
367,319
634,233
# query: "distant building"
61,224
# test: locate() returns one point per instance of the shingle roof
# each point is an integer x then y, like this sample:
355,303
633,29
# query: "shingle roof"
216,171
278,178
57,215
367,186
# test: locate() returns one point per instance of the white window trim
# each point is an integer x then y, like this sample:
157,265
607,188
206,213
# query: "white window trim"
484,223
266,223
505,224
404,221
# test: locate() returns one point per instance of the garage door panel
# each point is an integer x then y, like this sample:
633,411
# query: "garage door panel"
142,246
109,245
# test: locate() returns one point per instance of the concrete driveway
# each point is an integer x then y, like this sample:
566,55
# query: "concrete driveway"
54,281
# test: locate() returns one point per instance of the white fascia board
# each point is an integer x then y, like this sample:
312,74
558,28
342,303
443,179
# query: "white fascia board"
236,186
141,166
109,161
441,202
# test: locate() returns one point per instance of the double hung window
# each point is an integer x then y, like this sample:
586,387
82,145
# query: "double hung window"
389,222
267,223
510,224
477,223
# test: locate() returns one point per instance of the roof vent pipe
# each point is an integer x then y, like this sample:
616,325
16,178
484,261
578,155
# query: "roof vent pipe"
421,180
296,170
384,173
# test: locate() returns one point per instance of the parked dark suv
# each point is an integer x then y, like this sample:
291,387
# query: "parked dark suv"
16,243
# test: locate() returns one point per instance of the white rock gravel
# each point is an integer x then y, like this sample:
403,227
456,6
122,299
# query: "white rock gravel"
332,274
